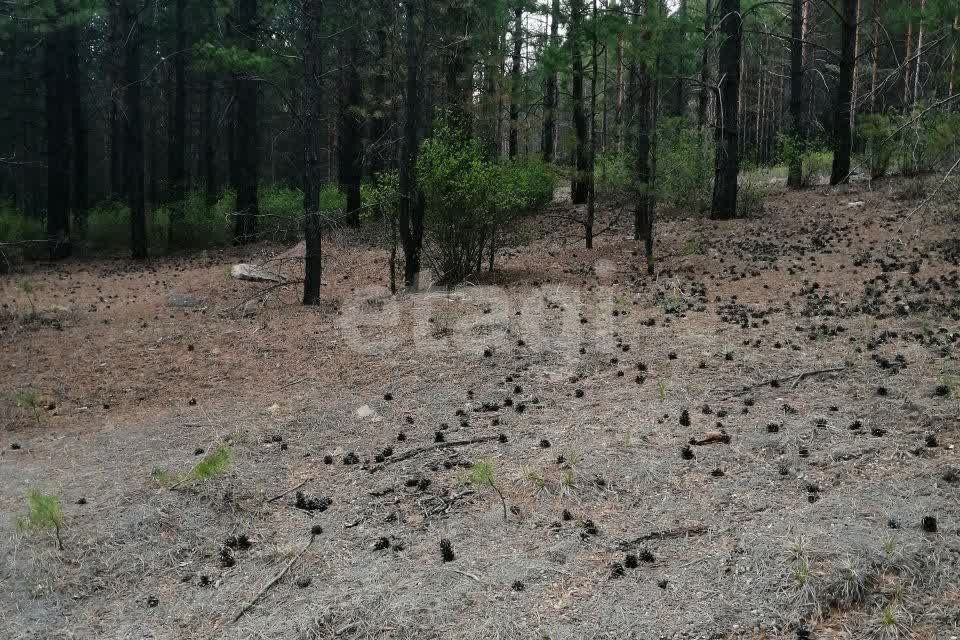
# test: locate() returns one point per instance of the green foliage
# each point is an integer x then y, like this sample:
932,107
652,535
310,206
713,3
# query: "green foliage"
380,199
469,199
481,472
20,235
815,159
28,399
44,513
213,464
684,166
750,195
875,130
613,172
281,213
213,58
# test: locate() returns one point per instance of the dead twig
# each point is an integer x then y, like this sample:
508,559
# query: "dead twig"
277,578
680,532
406,455
797,378
289,491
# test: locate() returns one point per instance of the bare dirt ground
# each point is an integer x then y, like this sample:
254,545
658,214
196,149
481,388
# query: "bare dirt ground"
744,446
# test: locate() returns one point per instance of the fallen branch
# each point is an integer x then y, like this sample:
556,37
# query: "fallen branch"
289,491
406,455
277,578
666,534
767,383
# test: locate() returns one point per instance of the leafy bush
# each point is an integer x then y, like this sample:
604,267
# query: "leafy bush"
467,199
815,158
875,130
22,234
613,172
685,166
750,196
281,213
198,226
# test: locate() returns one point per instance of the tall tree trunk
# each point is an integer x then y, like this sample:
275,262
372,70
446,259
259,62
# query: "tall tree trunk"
646,124
907,66
410,216
842,131
133,127
78,124
114,70
57,108
176,168
209,143
795,171
550,95
875,55
380,118
247,129
703,103
312,110
350,126
916,66
680,87
724,205
853,71
594,71
953,62
620,89
580,184
515,82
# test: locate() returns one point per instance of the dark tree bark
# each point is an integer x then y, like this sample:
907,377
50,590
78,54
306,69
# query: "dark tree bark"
247,130
703,103
312,111
113,69
550,94
380,151
350,126
515,82
580,183
794,176
410,218
210,143
78,124
644,213
133,127
842,130
724,204
176,167
594,72
57,110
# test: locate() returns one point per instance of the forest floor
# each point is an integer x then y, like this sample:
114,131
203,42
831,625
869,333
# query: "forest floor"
752,444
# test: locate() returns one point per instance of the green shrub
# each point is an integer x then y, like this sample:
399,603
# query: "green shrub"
281,213
750,196
469,200
108,227
198,226
22,236
614,173
685,166
815,159
875,130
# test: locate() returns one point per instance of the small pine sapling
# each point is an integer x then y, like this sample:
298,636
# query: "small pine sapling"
482,473
29,399
45,513
212,464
